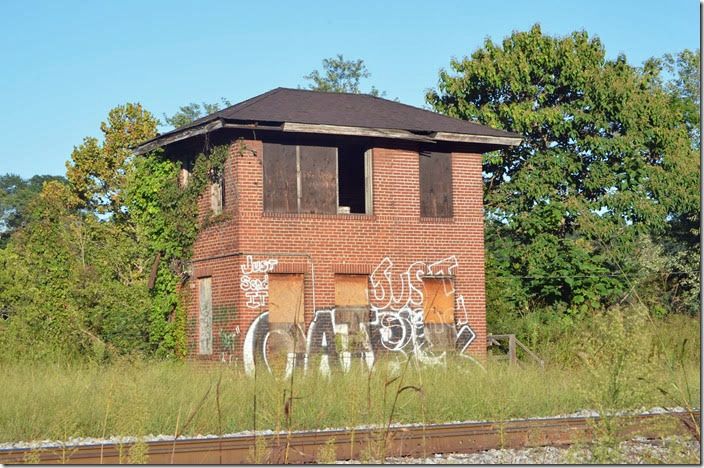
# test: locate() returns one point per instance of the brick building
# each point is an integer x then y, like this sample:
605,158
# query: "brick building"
344,226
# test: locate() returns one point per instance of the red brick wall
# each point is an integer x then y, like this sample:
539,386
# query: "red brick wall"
339,243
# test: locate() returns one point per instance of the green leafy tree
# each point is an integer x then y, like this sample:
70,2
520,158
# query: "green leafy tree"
193,111
70,284
15,195
166,220
606,155
98,170
340,76
683,85
676,279
74,283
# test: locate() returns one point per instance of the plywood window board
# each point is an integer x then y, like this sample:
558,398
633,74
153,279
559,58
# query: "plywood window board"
438,301
280,178
435,184
286,298
205,316
351,290
317,179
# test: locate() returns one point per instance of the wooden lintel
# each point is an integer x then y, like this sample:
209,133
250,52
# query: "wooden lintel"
464,138
354,131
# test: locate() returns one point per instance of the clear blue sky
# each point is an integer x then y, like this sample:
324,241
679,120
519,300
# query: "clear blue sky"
66,64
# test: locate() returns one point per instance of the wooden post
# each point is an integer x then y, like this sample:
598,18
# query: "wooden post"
512,349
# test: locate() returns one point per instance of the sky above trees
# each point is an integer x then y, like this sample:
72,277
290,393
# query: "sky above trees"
65,65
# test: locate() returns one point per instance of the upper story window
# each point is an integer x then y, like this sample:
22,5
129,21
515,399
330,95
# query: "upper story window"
217,194
435,184
317,179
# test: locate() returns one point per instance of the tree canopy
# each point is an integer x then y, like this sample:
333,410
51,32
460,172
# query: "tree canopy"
340,76
606,156
194,111
98,171
15,195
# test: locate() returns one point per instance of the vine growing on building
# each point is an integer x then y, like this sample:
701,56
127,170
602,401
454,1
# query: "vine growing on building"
166,216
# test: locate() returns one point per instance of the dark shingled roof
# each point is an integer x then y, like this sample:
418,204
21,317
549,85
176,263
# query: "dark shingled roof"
342,109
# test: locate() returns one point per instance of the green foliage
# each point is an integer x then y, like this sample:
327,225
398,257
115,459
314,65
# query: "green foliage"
618,354
340,76
606,156
118,398
683,85
74,283
15,195
69,286
166,219
98,171
192,112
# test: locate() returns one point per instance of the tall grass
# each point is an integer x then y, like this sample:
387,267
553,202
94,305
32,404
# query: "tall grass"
137,398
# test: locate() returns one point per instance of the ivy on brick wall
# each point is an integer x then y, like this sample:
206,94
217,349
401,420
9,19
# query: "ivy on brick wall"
166,216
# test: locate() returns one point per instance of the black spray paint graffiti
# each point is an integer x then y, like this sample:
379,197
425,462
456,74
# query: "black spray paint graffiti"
393,323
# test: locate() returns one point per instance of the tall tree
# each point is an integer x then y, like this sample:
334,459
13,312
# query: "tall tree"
679,246
98,170
193,111
683,85
340,76
605,155
72,286
15,195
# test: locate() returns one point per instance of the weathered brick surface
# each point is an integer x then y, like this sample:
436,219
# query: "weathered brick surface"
337,243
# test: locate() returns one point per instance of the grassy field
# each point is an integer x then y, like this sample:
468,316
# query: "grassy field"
626,362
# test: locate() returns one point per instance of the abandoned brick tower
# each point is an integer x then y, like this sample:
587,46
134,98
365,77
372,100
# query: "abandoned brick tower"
344,226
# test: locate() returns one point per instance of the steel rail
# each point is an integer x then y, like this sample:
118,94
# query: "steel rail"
399,441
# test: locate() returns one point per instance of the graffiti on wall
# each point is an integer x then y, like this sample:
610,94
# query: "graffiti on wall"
255,281
395,322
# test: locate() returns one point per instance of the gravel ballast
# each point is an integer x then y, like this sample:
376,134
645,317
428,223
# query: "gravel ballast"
637,451
82,441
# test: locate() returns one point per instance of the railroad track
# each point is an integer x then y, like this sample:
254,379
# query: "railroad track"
306,447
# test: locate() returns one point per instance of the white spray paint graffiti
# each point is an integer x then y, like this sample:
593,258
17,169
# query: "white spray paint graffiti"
256,289
394,322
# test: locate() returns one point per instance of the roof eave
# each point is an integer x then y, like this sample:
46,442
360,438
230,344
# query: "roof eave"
174,136
355,131
484,139
294,127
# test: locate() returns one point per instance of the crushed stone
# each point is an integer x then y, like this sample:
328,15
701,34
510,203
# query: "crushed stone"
76,441
637,451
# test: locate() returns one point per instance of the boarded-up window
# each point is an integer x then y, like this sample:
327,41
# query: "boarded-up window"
186,168
317,179
318,169
286,298
351,312
351,290
438,301
435,185
205,316
280,178
217,195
